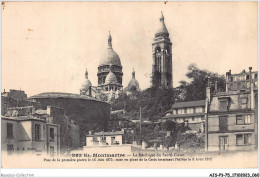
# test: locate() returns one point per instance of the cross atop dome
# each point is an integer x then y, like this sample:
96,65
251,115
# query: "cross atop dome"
86,74
109,40
133,74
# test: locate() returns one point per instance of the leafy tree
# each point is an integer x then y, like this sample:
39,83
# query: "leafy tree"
196,88
169,125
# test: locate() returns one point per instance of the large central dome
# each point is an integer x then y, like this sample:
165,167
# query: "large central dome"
109,56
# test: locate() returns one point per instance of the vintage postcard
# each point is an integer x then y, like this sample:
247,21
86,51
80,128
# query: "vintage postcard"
129,85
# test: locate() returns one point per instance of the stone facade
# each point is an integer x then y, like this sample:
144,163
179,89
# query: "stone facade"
162,58
231,119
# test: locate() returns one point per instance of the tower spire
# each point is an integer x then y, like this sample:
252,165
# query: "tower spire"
109,40
162,17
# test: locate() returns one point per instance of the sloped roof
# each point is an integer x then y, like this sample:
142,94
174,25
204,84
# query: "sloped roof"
23,118
107,133
189,104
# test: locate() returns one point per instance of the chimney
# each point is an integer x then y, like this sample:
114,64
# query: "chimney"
49,110
228,80
89,90
208,92
208,81
251,87
33,110
216,86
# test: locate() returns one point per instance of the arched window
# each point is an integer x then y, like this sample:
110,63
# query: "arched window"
158,49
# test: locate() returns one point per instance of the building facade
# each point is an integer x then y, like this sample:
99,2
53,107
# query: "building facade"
231,119
192,113
23,132
162,58
105,138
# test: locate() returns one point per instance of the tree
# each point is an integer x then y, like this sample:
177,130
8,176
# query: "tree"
169,125
196,88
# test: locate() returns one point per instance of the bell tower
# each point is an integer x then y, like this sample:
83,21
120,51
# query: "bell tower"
162,58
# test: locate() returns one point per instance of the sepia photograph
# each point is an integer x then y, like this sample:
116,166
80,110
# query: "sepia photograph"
129,84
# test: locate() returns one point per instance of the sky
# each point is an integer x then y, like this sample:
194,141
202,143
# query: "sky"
47,46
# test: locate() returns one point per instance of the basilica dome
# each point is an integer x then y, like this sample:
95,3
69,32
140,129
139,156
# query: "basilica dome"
109,56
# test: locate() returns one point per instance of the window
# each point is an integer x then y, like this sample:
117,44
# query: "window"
247,119
239,120
193,118
113,140
37,131
198,110
255,76
231,86
247,139
223,105
189,110
231,79
243,119
247,77
223,127
103,138
243,139
239,85
52,134
10,133
239,139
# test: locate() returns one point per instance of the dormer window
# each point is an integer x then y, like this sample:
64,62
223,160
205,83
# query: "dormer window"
223,104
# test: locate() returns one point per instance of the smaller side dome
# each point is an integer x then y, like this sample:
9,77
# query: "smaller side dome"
87,83
111,78
133,84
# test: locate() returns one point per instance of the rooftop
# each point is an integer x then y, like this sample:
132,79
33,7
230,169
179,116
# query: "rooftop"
189,104
107,133
61,95
23,118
